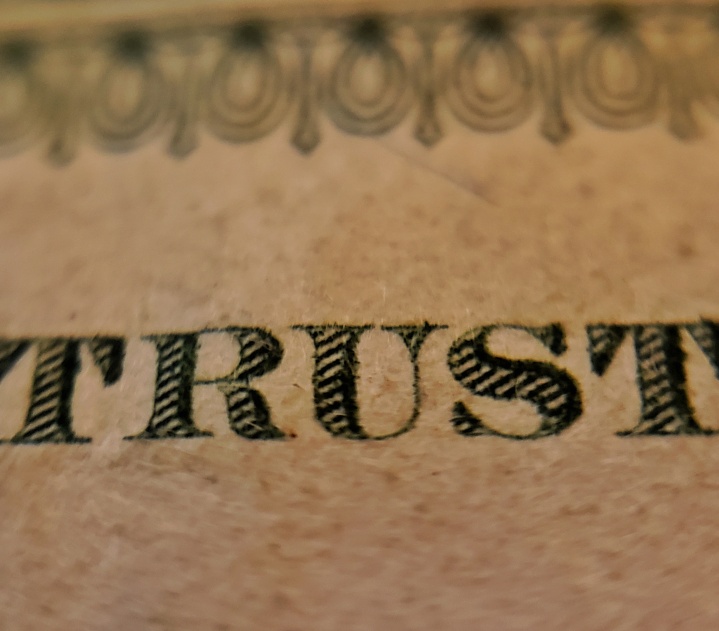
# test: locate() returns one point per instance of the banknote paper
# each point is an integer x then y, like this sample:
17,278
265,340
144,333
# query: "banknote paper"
358,316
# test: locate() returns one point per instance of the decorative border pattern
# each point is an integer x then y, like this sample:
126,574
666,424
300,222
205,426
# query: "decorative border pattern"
489,71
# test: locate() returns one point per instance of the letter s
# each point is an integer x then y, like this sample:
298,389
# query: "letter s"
553,392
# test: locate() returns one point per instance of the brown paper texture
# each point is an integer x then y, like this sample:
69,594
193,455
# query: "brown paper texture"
342,316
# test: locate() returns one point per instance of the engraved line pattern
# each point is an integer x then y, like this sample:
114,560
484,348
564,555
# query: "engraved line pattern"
10,353
248,413
172,410
336,370
334,379
260,353
706,335
661,376
508,380
604,341
49,417
247,410
662,382
108,354
487,71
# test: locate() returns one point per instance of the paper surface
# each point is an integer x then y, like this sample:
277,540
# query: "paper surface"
390,321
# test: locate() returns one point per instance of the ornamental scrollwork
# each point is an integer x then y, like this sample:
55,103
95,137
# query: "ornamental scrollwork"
555,69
